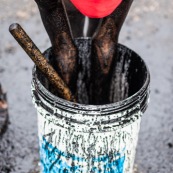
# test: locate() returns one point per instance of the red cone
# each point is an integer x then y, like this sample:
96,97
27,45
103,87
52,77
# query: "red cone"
96,8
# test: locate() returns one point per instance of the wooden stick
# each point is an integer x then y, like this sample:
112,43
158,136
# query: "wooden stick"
41,62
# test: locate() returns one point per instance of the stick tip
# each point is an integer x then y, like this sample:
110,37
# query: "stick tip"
14,26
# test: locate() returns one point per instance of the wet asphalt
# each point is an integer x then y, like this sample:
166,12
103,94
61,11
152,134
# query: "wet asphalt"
147,30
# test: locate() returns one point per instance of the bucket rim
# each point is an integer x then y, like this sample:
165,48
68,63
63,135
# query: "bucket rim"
115,105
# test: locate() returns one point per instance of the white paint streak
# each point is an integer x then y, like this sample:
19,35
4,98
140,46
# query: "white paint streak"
86,26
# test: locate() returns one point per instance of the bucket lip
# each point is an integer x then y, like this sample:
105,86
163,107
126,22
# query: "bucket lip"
89,107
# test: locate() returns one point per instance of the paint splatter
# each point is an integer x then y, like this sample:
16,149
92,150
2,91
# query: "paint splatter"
54,160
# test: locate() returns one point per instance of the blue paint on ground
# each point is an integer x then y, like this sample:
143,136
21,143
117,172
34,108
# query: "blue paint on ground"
52,161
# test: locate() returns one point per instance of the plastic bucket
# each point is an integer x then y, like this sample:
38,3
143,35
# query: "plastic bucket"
93,138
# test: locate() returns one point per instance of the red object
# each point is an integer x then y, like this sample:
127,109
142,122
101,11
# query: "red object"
96,8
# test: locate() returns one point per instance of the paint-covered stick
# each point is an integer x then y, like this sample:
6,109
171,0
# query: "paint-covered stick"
40,61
